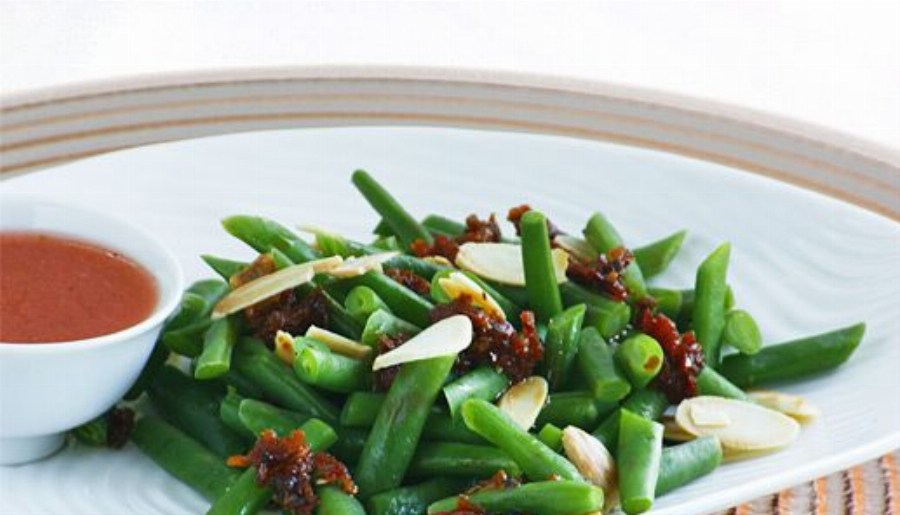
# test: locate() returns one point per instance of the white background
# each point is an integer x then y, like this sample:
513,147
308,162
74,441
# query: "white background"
831,63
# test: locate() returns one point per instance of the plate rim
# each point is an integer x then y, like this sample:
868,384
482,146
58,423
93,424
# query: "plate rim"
602,111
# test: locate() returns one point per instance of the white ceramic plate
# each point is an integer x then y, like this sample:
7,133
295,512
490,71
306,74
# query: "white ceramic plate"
802,263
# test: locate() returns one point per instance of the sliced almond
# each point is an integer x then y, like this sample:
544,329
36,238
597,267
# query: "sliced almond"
362,264
284,347
263,288
438,260
793,406
593,460
457,284
447,337
502,262
674,432
524,401
338,343
750,426
575,246
703,416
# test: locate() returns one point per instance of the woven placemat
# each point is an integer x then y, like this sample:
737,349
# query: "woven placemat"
872,488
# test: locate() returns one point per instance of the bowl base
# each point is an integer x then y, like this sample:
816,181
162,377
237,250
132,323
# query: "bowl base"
18,451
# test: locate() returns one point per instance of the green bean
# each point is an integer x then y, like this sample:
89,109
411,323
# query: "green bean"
383,323
402,301
382,229
392,441
681,464
93,432
709,303
264,235
481,383
188,340
573,409
362,301
641,358
253,360
540,498
229,414
191,308
183,457
349,445
331,371
414,500
257,416
185,334
684,319
561,344
460,459
709,382
226,268
540,275
603,237
639,455
537,461
404,226
551,436
426,269
330,244
245,496
655,257
388,244
438,224
648,403
333,501
794,359
244,386
218,342
510,309
517,294
668,301
194,408
602,375
361,410
339,319
741,332
608,316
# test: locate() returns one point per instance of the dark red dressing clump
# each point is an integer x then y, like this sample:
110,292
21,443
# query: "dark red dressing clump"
515,216
119,423
410,279
495,342
477,231
683,356
291,468
604,274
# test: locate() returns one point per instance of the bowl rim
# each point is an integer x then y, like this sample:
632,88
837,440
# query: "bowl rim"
172,277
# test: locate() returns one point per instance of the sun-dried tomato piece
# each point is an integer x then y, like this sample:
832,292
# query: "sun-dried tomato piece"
291,468
410,279
262,265
604,274
384,377
495,342
515,216
481,231
477,231
289,312
442,246
683,356
119,423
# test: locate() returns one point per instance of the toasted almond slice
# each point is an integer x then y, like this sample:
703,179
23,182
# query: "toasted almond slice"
703,416
261,289
325,264
449,336
674,432
284,347
750,426
457,284
437,260
793,406
360,265
576,247
339,344
502,262
524,401
593,460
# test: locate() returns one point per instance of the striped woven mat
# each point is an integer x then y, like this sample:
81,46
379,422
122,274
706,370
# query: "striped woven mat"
872,488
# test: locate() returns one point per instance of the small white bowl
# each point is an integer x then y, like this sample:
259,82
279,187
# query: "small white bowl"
48,388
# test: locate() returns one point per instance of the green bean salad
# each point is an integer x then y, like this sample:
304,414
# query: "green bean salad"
457,367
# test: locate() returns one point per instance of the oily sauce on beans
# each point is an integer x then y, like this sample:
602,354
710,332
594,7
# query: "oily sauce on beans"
55,289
